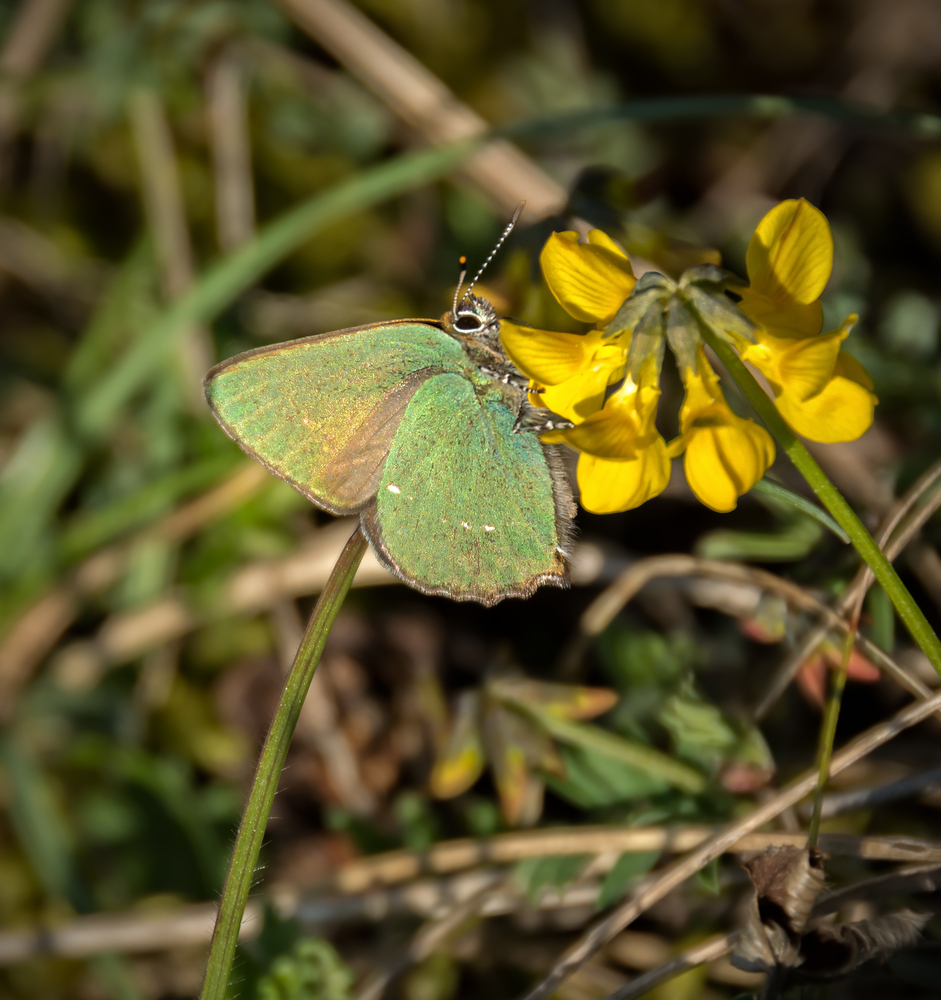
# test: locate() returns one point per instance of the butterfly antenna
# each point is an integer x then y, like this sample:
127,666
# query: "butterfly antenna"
460,281
493,252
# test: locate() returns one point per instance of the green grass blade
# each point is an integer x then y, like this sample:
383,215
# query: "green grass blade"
223,283
778,492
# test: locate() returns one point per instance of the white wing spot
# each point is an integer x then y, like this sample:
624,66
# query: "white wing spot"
464,524
306,422
489,527
392,488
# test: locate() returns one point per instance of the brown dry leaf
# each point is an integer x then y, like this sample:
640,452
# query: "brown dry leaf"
831,952
787,881
461,760
570,701
777,940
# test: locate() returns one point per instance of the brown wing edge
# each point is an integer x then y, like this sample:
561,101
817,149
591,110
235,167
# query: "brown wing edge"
565,509
337,510
312,339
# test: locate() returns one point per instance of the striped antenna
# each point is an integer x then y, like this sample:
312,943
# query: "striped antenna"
462,261
500,242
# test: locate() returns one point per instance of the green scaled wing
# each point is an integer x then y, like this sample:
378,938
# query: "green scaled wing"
467,508
322,412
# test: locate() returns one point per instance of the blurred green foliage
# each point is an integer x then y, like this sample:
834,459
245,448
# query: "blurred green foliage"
135,688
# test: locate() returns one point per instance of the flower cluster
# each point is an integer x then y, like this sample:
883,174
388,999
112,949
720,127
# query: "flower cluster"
606,382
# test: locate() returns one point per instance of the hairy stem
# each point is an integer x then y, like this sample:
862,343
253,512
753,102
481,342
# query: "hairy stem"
268,772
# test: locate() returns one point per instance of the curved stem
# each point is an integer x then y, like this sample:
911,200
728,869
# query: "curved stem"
241,872
913,617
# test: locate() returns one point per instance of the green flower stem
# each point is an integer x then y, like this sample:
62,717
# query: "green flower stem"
830,497
268,772
828,733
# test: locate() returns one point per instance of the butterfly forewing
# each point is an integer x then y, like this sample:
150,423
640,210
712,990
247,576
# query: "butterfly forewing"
466,507
322,412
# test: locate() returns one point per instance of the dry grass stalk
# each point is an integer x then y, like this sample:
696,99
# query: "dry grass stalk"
602,611
166,219
427,940
897,529
654,889
398,79
230,145
34,634
710,950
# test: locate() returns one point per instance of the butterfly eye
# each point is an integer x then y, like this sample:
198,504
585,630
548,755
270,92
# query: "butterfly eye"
468,322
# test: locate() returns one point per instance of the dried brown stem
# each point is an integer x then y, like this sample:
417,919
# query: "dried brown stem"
656,888
455,855
33,32
366,890
416,95
230,145
705,951
428,938
166,219
33,635
602,611
900,525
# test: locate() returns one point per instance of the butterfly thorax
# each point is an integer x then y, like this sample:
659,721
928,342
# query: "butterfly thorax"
474,322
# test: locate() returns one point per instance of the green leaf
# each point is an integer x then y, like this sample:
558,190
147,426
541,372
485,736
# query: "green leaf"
709,877
570,701
624,752
882,614
787,545
461,759
592,781
769,488
627,869
536,875
311,971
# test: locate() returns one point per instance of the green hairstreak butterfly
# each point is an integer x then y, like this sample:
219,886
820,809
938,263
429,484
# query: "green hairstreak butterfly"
423,428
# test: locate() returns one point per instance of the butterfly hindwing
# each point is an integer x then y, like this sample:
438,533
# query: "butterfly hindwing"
323,412
466,507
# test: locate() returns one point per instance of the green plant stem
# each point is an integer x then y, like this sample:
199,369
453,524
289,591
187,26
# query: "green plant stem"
830,497
268,772
828,732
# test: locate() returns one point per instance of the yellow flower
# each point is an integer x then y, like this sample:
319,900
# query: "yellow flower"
820,390
725,454
590,280
573,371
606,382
623,460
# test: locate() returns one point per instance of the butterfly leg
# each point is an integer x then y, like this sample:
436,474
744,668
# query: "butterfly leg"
539,421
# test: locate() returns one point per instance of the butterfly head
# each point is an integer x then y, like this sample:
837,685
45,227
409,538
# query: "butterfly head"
474,317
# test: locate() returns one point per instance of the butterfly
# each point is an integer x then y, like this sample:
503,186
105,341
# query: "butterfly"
425,430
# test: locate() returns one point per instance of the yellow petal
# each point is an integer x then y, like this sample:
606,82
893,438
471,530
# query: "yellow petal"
782,318
723,462
589,280
790,255
842,411
608,486
806,366
582,395
546,356
606,434
626,424
849,367
702,392
677,446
